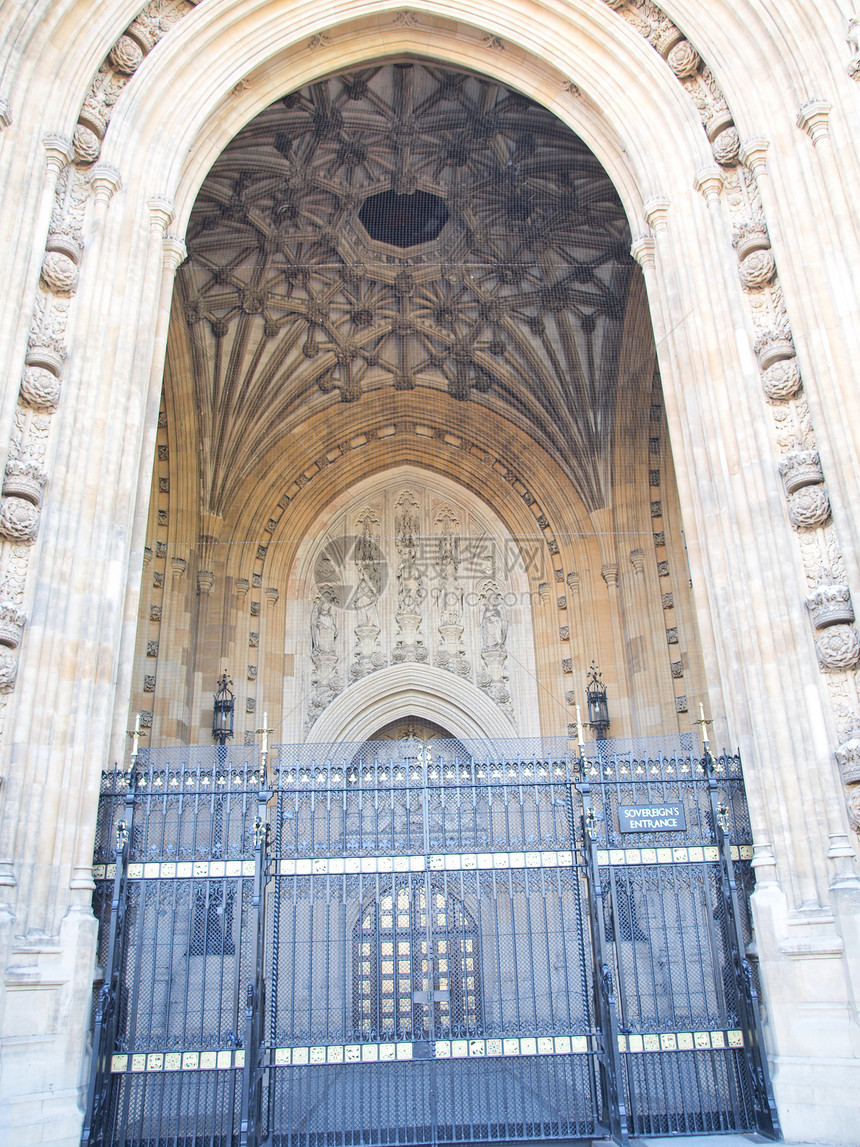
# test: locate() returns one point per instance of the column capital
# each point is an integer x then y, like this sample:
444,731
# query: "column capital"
813,117
656,211
5,113
175,252
753,153
58,151
160,213
105,182
643,249
709,183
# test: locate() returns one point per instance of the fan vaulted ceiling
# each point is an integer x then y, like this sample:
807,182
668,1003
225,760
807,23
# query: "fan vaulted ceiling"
411,228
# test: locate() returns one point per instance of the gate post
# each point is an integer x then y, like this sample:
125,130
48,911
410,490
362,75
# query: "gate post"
255,1008
608,1054
749,1015
107,1006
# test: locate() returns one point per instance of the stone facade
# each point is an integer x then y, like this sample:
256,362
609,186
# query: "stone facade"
711,557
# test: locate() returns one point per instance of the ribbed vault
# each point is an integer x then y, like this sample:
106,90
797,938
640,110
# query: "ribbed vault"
512,297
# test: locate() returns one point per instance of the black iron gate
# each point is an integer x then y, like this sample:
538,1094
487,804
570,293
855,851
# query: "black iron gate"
404,943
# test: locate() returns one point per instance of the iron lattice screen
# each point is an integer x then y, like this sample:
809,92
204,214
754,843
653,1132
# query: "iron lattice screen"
433,942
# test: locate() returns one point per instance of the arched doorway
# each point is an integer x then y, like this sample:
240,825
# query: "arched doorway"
409,330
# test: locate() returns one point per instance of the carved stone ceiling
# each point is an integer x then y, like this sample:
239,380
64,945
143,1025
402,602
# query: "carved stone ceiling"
504,278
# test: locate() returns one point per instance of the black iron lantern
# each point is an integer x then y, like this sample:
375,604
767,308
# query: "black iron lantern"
598,708
222,711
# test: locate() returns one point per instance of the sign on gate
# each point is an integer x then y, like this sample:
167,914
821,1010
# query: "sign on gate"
652,818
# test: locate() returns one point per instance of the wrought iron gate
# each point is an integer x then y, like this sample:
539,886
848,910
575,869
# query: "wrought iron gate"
401,943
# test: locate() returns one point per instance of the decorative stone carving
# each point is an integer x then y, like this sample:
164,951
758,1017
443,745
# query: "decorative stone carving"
656,509
757,270
672,635
155,613
683,59
158,579
161,550
493,621
11,624
19,519
830,605
662,569
838,647
178,567
451,654
146,718
162,517
561,602
46,352
660,538
40,388
848,756
564,632
325,680
411,592
149,683
809,507
126,55
241,585
252,672
272,595
653,477
147,556
8,670
782,380
24,478
681,704
66,242
205,581
250,704
773,346
800,468
567,665
853,802
668,601
853,38
59,273
255,609
253,640
257,580
677,669
87,145
750,236
152,649
726,147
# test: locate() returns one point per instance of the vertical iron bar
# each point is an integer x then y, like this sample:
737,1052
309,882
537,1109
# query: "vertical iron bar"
95,1130
609,1056
766,1118
250,1130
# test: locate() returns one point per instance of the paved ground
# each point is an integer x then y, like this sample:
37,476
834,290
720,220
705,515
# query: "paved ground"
711,1141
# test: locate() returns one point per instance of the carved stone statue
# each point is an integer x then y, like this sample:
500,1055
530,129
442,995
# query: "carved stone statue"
448,593
325,681
323,624
494,635
494,621
365,600
411,590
